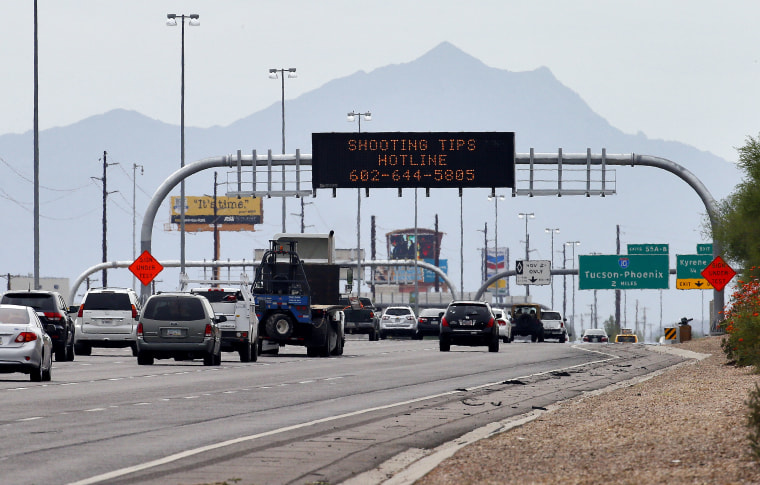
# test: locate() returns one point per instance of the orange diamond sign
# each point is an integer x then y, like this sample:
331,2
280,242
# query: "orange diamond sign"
718,273
145,267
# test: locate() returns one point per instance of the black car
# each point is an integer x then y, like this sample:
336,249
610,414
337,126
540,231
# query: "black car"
469,323
53,312
429,321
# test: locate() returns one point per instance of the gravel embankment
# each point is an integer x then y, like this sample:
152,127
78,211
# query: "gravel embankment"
685,425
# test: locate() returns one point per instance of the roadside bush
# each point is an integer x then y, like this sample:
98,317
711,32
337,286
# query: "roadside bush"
753,421
742,325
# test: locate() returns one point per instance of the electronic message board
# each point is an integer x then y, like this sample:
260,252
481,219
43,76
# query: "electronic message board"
408,160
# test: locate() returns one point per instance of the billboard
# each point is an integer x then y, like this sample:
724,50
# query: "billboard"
405,244
232,213
496,262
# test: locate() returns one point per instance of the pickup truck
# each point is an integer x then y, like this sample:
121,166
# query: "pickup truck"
361,317
234,300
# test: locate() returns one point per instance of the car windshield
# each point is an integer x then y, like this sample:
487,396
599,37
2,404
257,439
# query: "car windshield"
107,301
14,316
626,338
470,310
550,316
430,312
183,309
398,311
593,331
42,303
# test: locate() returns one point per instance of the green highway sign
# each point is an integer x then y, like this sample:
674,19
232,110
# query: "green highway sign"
705,249
623,272
689,269
647,249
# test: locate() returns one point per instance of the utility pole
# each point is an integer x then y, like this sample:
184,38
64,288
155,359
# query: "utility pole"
103,180
436,254
216,234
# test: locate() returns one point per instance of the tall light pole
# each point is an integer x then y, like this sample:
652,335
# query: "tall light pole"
552,231
36,164
273,75
171,21
526,216
573,244
134,213
496,199
351,117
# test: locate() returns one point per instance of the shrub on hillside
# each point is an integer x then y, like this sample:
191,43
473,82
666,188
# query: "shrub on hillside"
742,325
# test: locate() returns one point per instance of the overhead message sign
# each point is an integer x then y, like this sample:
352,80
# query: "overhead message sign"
407,160
232,213
689,269
621,272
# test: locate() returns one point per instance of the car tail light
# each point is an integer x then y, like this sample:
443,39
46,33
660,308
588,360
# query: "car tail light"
490,323
604,339
585,339
54,316
208,330
423,320
139,329
134,312
81,309
26,337
444,322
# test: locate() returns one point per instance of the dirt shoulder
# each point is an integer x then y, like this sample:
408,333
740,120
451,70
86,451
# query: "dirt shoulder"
685,425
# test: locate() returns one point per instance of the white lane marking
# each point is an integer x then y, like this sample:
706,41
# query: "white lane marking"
30,419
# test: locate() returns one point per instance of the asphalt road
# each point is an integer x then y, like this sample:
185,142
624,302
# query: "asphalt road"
287,418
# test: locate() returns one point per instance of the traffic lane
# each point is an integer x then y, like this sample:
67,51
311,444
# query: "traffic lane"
155,411
344,447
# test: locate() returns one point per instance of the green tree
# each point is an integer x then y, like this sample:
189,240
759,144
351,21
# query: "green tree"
737,223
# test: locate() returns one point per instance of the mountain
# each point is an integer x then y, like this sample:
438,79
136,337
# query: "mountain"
446,89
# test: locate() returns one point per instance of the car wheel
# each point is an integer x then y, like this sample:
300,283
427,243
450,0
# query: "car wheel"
562,339
36,374
254,352
70,348
144,358
312,351
81,348
134,350
217,359
280,325
493,346
444,345
47,375
541,337
60,354
246,352
373,335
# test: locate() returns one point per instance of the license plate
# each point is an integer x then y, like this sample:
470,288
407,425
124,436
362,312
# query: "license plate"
467,322
106,322
173,332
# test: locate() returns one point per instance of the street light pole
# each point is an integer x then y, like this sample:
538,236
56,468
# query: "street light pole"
526,216
573,244
273,75
172,22
552,231
351,117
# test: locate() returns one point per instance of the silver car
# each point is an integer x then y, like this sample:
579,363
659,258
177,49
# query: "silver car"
399,320
107,317
25,346
181,326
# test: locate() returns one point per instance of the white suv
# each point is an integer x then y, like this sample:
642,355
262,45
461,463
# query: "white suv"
554,325
107,317
399,320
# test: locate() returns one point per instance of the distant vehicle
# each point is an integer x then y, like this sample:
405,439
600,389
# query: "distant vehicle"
25,346
554,325
469,323
361,317
53,313
107,317
505,326
399,320
180,326
429,321
627,338
595,335
526,321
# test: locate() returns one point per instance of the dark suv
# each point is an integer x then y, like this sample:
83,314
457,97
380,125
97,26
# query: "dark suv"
469,323
52,310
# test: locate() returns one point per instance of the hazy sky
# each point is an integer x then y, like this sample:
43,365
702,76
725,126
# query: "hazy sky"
675,70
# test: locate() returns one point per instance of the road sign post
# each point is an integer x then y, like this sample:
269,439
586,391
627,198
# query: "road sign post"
533,272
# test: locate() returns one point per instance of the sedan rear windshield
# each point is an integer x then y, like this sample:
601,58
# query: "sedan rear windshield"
550,316
397,311
14,315
107,301
42,303
183,309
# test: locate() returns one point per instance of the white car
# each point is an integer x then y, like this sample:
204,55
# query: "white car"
107,317
554,325
505,326
25,346
399,320
595,335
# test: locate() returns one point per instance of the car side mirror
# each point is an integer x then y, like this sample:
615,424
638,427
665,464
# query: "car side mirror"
73,308
221,318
